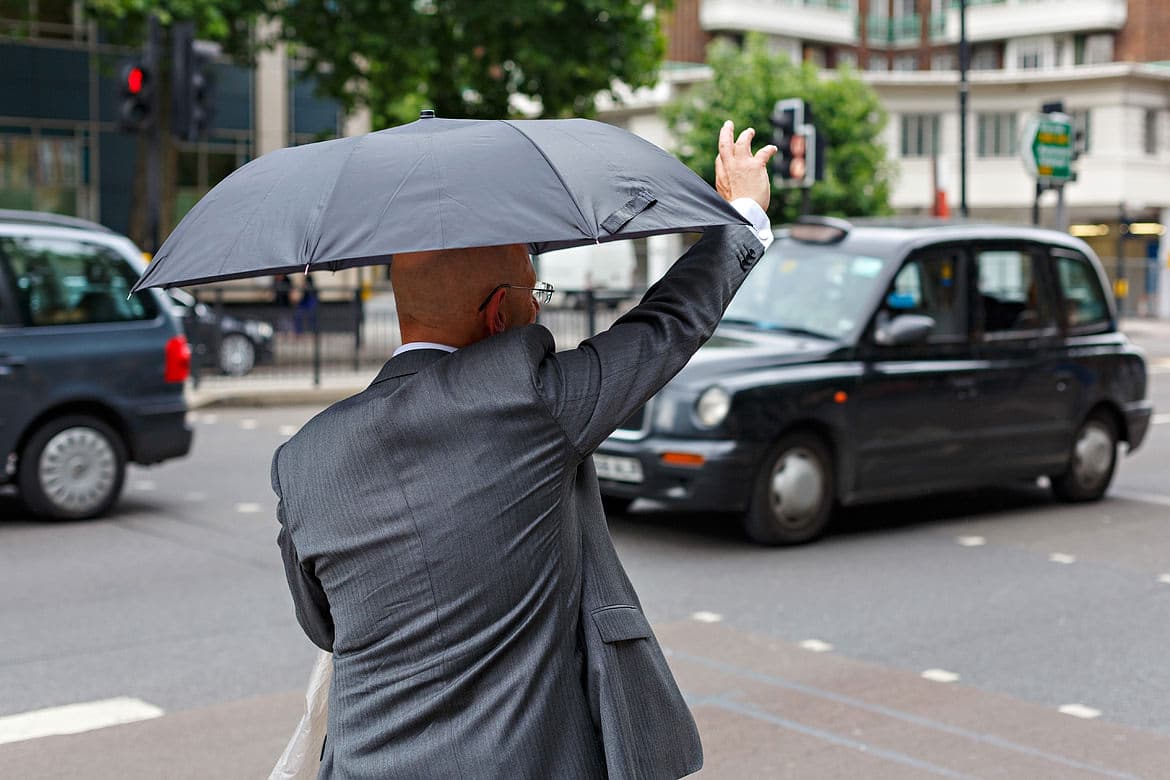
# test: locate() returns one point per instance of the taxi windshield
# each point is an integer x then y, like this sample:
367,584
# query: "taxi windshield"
810,289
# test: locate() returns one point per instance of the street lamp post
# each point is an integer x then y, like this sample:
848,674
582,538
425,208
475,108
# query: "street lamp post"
964,57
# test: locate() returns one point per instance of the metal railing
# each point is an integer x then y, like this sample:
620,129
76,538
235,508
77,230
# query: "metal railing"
346,332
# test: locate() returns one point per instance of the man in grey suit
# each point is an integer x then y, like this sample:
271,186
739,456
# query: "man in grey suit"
443,533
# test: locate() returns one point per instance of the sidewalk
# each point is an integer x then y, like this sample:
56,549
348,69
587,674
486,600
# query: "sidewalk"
292,389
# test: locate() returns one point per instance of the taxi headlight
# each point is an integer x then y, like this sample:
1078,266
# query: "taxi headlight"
713,406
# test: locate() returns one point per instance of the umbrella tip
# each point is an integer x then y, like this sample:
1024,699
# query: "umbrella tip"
426,113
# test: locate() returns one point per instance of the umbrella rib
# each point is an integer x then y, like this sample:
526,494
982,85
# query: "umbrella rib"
585,224
322,206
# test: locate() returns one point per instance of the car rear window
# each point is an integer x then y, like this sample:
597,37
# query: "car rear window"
61,281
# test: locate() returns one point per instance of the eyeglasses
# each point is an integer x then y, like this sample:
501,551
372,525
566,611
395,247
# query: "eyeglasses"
541,293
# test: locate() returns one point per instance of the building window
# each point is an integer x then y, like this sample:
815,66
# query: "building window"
1098,49
906,62
1030,55
1150,131
943,60
43,171
878,62
985,58
1082,121
847,57
816,55
920,135
996,135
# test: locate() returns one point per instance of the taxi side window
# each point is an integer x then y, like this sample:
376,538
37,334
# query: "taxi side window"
1011,293
1085,305
67,282
929,285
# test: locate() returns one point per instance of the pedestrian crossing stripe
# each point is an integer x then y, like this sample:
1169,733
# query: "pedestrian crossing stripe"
75,718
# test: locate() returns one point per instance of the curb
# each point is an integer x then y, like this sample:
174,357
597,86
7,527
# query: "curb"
264,397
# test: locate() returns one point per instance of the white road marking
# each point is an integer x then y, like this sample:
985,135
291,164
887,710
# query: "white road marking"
288,430
144,485
706,617
1159,419
940,675
816,646
971,541
210,419
1164,579
1062,558
1080,711
192,417
75,718
195,496
248,424
248,508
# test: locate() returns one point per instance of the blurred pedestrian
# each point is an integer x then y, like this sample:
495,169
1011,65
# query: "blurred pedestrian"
305,315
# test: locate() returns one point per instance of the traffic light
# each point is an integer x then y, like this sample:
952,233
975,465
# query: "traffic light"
795,162
192,96
137,109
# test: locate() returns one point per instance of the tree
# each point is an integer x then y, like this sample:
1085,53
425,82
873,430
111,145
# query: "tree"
747,83
469,58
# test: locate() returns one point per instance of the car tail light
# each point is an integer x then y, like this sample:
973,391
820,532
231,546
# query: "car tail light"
178,362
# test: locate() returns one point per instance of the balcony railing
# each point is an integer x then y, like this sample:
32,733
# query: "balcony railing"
906,28
938,25
902,29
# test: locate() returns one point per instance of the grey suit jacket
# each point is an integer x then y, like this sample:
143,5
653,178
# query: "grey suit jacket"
443,535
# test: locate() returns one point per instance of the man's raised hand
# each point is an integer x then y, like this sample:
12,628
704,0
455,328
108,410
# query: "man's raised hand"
738,172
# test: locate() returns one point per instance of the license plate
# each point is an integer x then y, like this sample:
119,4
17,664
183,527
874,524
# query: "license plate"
618,469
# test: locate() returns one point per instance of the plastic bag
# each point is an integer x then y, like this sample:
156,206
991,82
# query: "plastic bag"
301,759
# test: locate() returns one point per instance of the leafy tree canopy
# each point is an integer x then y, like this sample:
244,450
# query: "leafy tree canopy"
747,83
467,58
228,22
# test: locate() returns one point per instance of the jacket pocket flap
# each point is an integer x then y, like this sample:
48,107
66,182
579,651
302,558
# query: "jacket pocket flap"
620,624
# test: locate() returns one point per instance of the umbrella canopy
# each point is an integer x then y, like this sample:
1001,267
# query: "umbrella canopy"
434,184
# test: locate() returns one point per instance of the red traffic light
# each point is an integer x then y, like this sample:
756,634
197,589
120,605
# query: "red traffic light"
134,80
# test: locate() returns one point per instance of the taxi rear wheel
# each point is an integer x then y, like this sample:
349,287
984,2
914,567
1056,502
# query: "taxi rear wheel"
1091,462
793,497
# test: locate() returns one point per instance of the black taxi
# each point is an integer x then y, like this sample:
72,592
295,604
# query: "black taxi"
869,360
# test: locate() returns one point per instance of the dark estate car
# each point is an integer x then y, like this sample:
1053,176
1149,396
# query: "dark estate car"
90,377
863,362
232,345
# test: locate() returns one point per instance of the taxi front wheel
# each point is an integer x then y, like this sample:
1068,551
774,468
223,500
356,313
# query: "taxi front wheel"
1091,462
793,496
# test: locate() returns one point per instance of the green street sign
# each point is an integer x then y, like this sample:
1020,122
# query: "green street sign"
1046,146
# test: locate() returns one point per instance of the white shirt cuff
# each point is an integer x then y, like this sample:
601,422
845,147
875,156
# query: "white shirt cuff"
752,212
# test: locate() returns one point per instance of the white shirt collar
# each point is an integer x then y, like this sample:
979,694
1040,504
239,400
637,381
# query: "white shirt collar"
413,345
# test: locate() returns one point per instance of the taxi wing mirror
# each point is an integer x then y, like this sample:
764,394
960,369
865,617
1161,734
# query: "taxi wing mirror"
903,329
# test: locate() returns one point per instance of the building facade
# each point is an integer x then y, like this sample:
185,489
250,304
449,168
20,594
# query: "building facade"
1106,61
60,147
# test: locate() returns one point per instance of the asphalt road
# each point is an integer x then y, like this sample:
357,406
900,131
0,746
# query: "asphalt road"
988,634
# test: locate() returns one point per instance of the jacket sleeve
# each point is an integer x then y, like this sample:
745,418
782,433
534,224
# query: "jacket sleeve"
592,389
309,600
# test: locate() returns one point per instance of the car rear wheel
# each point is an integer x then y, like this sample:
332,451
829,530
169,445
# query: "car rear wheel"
793,497
72,468
237,354
1091,462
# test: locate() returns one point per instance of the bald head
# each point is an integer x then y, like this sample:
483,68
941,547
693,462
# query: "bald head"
438,293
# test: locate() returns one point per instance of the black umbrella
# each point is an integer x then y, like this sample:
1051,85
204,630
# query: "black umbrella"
434,184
